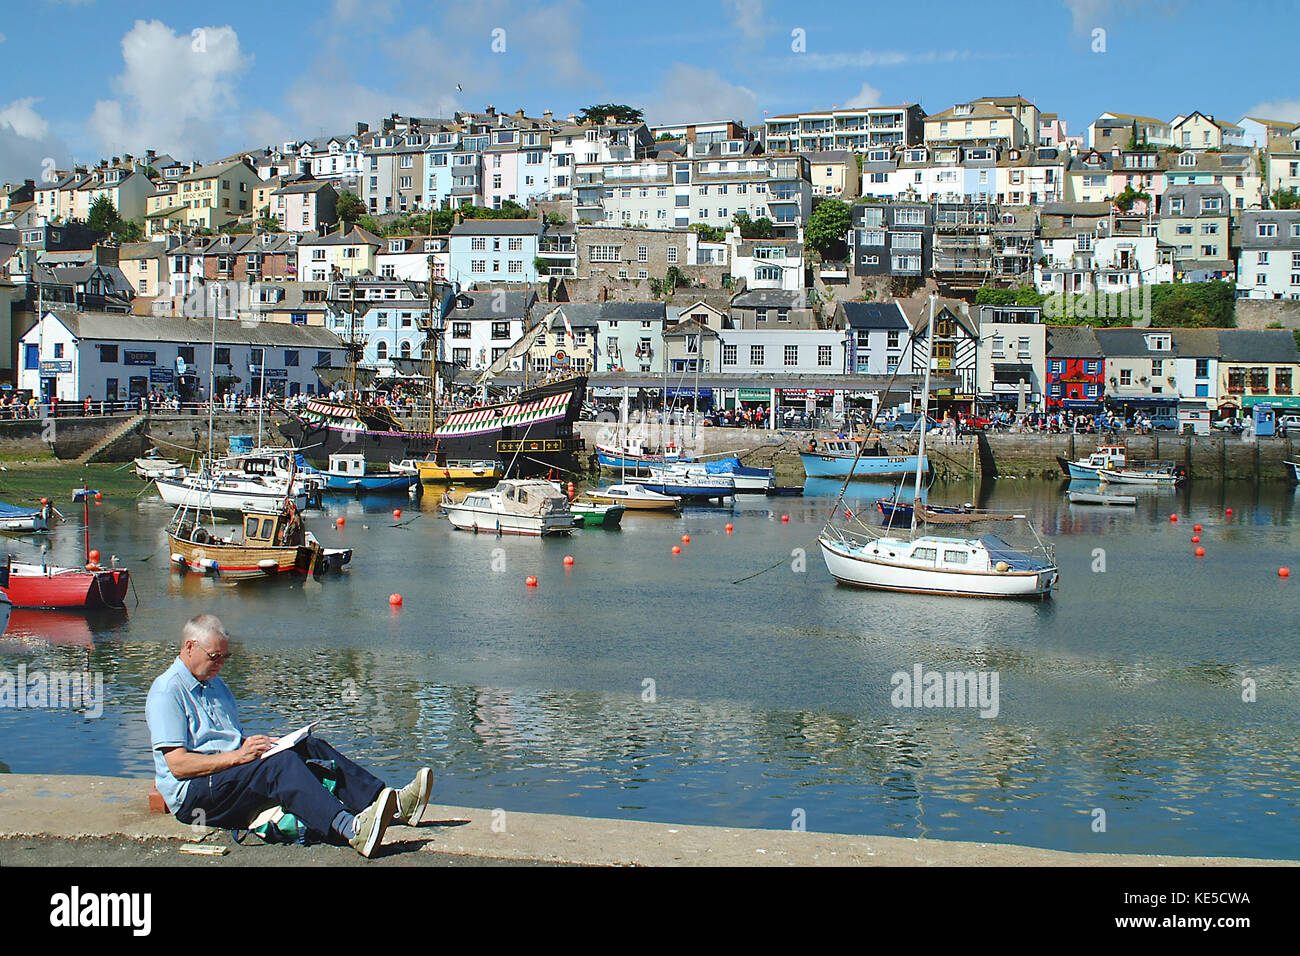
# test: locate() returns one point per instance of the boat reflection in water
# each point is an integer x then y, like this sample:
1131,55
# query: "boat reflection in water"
35,628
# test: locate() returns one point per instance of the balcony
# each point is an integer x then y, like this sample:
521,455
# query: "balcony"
782,195
554,247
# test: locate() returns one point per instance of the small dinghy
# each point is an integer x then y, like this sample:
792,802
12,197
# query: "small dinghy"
15,518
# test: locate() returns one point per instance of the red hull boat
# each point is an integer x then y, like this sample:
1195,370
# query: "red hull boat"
34,586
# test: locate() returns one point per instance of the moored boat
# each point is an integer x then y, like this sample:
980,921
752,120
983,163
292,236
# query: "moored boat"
1099,498
631,453
348,472
527,507
593,514
226,495
686,485
458,472
271,544
1162,473
18,519
635,497
1088,469
839,458
151,467
49,586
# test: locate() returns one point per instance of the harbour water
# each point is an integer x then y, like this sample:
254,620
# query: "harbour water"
642,685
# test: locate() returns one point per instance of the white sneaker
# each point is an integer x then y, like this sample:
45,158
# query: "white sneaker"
373,821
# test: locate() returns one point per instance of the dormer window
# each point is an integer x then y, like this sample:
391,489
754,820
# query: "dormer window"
293,239
1187,159
1159,343
267,239
225,240
395,245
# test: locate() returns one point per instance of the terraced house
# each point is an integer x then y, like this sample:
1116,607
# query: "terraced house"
1257,367
1268,264
213,196
1195,221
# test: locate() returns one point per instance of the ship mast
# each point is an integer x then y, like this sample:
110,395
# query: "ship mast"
925,410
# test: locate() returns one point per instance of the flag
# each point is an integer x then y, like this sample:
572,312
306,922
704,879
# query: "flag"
573,339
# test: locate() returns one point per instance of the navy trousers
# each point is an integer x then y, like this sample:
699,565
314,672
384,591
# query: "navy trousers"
231,798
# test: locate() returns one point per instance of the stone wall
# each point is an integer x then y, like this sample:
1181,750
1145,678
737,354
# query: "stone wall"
1265,313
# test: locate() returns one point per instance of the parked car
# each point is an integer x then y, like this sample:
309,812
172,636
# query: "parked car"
906,422
1234,426
1166,419
975,423
1287,425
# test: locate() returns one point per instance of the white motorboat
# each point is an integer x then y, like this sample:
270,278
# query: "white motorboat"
276,464
977,564
683,483
635,498
16,518
1099,498
220,493
512,507
1161,473
1087,469
152,467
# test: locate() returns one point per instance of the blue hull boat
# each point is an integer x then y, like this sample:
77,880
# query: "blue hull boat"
868,466
370,483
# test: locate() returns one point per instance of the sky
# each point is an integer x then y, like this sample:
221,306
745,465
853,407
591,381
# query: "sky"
96,78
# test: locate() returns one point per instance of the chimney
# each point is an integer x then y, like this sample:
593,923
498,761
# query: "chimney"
573,117
547,115
519,114
491,110
363,128
149,156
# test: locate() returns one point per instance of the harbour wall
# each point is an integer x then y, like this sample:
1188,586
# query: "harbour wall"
1212,457
173,434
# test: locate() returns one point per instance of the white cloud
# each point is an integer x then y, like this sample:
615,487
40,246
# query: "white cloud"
26,145
747,17
867,96
1276,110
1087,14
690,93
176,92
2,38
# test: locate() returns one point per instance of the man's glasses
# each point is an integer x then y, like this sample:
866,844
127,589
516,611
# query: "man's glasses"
215,658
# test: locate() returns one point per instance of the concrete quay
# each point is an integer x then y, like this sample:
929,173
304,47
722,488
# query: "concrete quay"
39,813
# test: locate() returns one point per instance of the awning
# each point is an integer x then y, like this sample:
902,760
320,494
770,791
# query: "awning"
1142,400
754,394
689,392
1080,403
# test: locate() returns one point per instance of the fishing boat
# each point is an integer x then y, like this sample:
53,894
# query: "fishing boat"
1089,469
840,458
455,471
1078,497
528,507
349,473
635,498
151,467
269,545
631,453
68,588
682,483
1159,473
590,513
227,495
15,518
976,564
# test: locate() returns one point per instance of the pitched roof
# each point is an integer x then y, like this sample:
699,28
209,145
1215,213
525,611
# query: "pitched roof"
497,304
207,172
1186,343
355,236
114,326
498,227
1073,341
1257,345
874,315
765,298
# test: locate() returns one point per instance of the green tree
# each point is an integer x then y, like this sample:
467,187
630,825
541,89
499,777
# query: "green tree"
1125,200
709,233
543,266
555,219
103,216
128,230
349,206
665,138
1285,199
753,228
269,224
828,226
620,113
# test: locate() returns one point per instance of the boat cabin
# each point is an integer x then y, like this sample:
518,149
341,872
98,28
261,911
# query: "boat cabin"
1108,456
531,497
261,527
848,448
348,465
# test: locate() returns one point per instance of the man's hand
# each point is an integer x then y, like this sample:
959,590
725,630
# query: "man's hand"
253,747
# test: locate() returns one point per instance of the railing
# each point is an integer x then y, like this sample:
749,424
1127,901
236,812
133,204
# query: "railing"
102,409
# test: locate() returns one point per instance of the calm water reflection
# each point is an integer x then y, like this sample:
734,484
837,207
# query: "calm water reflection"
1124,692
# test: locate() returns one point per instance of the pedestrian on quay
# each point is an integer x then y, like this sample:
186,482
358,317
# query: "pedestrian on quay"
209,772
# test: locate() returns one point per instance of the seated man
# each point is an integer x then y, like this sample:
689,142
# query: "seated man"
209,773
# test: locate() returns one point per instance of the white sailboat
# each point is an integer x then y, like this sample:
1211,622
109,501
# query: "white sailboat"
971,565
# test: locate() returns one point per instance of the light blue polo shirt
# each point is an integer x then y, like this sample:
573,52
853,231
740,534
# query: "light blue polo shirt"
184,712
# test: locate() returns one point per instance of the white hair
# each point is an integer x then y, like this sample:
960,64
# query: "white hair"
201,628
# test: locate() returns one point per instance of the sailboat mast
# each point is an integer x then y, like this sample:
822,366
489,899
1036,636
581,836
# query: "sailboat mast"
212,373
925,408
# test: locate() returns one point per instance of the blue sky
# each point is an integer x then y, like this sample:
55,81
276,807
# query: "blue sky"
99,77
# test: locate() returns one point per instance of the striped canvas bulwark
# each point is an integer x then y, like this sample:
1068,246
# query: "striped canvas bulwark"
327,413
477,421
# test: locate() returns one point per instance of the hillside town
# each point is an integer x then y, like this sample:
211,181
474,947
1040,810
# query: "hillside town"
1142,267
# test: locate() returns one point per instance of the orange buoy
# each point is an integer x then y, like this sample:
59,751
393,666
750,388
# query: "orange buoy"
686,539
340,522
1200,552
785,519
530,581
1228,512
1283,572
397,514
45,501
568,560
99,496
1196,528
395,599
848,513
677,549
571,490
1173,518
729,529
94,557
1196,539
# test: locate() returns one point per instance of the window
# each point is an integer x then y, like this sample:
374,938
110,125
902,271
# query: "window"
783,315
672,252
602,253
478,265
515,244
891,339
1282,381
1267,229
478,243
460,330
1126,377
756,355
729,355
1157,367
907,240
501,330
871,237
515,266
955,557
791,355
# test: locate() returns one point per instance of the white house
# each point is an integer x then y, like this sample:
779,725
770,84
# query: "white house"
407,257
103,356
787,351
767,263
1268,265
